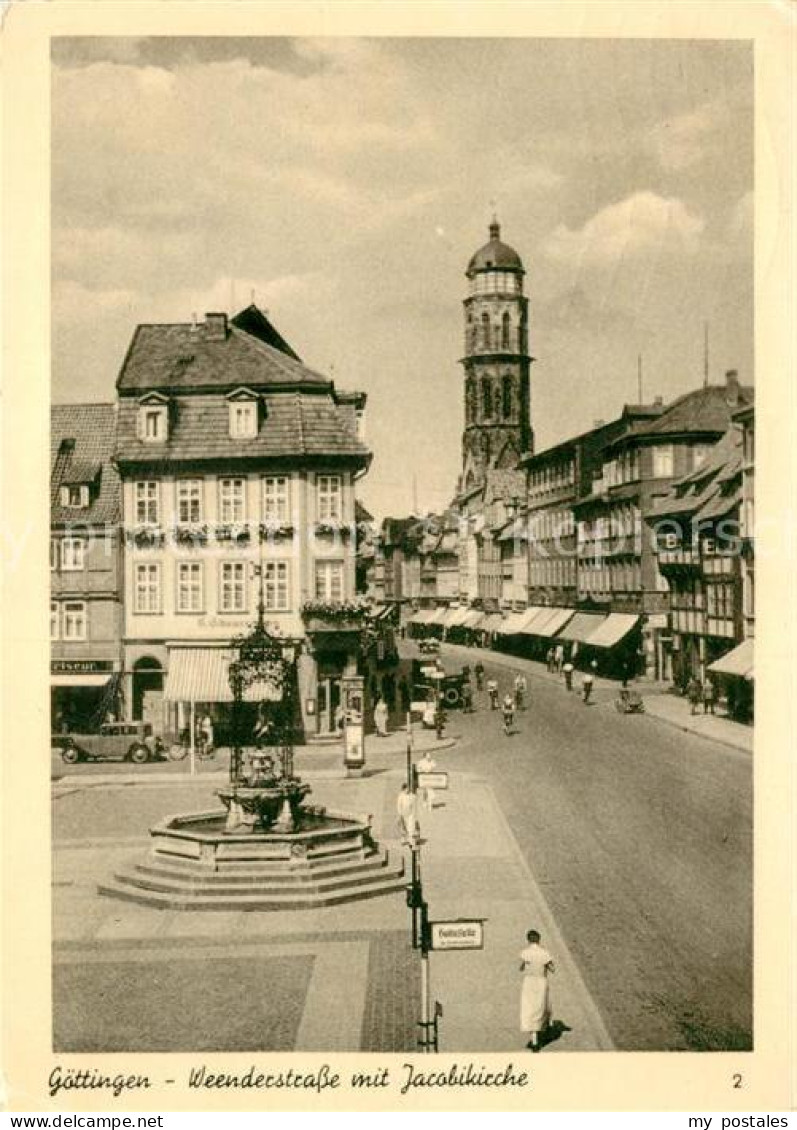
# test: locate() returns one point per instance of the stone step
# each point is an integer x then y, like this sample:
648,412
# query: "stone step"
176,868
121,887
218,886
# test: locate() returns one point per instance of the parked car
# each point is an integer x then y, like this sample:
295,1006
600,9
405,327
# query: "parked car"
450,686
429,647
114,741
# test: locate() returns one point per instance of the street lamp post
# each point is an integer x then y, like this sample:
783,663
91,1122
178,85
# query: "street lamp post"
420,919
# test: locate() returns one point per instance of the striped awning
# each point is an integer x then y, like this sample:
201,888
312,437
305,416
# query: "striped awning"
738,661
491,622
614,628
533,615
202,674
473,619
552,623
423,616
439,615
457,617
581,626
513,624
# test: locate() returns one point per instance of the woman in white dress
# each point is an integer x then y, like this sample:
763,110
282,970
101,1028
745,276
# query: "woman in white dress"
535,1005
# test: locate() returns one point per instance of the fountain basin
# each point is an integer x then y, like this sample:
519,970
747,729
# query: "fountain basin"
194,864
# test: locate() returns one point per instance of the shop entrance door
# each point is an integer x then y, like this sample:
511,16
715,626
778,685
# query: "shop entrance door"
328,702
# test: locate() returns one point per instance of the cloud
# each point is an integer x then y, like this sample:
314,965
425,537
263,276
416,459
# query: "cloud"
644,223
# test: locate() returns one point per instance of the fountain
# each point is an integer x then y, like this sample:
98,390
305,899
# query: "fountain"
267,848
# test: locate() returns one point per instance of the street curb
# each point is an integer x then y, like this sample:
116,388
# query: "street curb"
551,930
73,782
676,725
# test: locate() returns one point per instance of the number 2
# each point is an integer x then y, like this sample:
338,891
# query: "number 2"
737,1082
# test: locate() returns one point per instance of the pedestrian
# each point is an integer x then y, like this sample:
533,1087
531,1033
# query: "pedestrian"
206,734
492,691
479,669
559,658
407,811
535,1002
508,711
380,718
567,671
427,764
521,686
467,698
709,696
406,695
694,692
340,718
586,686
549,659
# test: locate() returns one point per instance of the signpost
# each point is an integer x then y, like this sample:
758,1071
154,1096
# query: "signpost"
433,779
457,934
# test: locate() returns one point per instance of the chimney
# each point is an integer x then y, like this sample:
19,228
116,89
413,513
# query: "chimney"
215,327
732,387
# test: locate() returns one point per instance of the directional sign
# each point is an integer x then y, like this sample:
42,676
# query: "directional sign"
433,780
460,934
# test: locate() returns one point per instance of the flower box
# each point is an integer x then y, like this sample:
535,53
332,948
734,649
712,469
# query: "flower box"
276,531
146,537
240,534
191,535
328,616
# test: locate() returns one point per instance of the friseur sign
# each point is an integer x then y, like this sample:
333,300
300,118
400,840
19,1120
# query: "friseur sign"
459,934
81,667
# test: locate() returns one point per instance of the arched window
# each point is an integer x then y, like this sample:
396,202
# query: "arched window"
486,330
505,328
487,397
507,396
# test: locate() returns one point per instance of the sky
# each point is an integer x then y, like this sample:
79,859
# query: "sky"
345,183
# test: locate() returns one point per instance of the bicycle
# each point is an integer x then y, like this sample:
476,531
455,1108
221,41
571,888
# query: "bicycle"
180,749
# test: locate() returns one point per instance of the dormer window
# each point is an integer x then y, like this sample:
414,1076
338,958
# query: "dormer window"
153,418
75,495
243,408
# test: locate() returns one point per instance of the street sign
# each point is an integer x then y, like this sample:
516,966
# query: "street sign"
433,780
459,934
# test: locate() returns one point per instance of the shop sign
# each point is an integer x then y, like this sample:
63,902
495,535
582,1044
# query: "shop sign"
81,666
460,934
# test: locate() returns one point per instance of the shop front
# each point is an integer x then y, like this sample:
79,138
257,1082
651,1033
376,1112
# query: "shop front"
83,694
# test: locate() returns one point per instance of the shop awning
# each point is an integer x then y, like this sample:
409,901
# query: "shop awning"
202,674
491,622
383,611
581,626
738,662
534,615
615,628
513,624
439,615
473,619
556,620
81,680
456,617
423,616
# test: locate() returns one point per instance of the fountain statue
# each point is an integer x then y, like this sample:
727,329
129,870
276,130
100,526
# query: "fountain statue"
267,848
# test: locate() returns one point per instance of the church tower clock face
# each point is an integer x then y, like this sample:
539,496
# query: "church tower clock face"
496,362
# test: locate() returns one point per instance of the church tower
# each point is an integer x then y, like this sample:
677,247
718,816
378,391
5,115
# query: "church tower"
496,362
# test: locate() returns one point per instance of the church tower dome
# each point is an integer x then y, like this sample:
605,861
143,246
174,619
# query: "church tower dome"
496,362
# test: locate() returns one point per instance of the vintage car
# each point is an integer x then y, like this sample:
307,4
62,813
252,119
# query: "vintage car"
429,647
114,741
